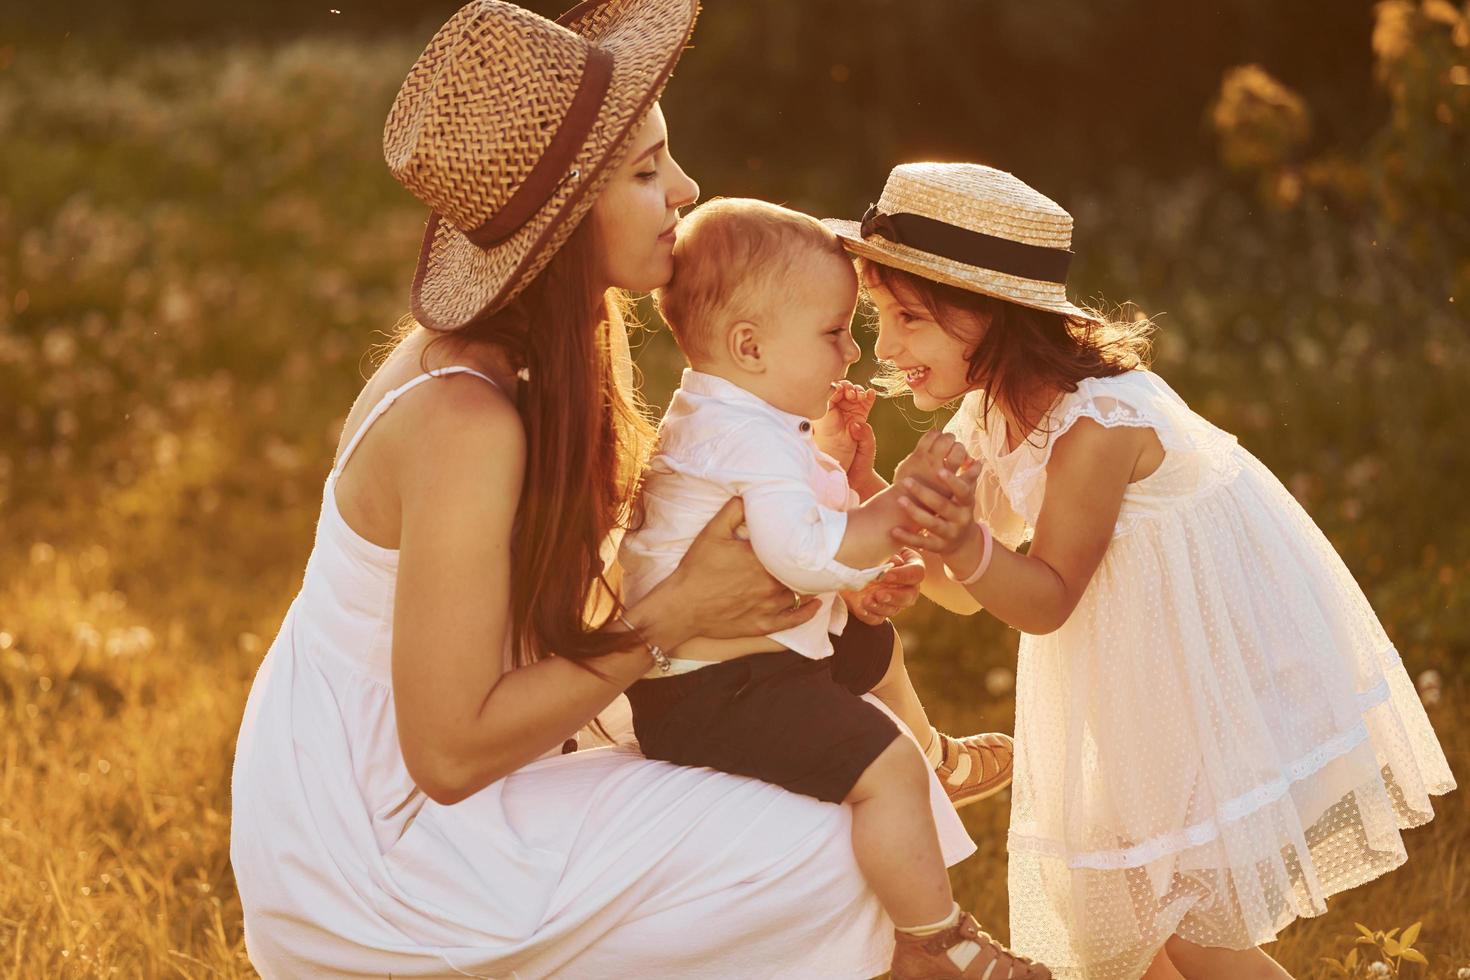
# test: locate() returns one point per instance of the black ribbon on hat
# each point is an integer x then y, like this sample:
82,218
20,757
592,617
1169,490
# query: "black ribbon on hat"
1035,262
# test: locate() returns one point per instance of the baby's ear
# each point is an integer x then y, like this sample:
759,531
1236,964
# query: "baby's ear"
744,347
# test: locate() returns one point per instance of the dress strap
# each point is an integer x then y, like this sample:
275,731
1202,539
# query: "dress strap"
386,402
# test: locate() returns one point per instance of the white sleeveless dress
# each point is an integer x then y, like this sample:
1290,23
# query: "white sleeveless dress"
1221,735
594,864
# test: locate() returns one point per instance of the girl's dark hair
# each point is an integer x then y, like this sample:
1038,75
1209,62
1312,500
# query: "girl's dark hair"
587,439
1025,357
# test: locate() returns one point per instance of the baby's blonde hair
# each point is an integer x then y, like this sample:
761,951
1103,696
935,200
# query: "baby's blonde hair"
731,256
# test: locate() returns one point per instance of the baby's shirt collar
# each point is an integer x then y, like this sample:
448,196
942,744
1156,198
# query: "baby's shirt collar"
713,386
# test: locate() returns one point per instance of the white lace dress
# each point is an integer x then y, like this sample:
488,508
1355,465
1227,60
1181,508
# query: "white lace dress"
1221,735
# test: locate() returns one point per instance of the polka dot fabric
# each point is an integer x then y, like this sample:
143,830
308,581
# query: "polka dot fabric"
1221,735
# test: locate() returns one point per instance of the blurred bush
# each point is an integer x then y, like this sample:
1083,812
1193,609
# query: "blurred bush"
1410,181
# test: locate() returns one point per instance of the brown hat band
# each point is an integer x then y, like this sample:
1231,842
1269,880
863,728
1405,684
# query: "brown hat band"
1012,258
551,170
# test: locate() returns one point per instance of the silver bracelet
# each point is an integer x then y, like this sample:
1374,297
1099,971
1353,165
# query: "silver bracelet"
660,660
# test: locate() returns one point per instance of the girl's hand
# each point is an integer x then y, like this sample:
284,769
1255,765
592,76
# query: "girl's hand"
722,590
936,450
838,433
893,593
946,519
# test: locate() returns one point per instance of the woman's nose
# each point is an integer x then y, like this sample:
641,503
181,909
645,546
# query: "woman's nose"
683,191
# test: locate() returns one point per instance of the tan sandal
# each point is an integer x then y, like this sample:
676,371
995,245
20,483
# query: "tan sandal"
927,957
974,767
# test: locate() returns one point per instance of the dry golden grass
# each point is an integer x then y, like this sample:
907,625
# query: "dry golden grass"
118,730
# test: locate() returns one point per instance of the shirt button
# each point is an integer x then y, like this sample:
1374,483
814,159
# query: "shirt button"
805,426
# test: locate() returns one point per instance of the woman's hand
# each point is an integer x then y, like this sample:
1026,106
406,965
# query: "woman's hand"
946,518
722,590
892,594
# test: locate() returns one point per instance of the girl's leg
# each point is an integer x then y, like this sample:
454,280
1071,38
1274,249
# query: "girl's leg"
894,839
896,690
1162,968
1214,963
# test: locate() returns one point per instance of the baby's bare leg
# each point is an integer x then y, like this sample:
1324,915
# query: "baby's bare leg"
894,839
896,690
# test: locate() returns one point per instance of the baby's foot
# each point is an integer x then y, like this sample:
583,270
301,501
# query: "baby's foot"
972,768
960,952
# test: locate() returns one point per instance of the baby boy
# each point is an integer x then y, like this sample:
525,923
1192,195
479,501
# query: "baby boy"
761,303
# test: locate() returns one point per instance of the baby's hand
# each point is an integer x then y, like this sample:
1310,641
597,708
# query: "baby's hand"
892,592
839,433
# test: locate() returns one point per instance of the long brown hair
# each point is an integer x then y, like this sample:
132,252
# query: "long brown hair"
587,438
1025,357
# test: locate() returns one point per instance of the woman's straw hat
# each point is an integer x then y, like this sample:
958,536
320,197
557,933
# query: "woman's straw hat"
509,125
970,226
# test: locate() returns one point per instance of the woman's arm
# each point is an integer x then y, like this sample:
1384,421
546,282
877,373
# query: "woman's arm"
1086,477
463,722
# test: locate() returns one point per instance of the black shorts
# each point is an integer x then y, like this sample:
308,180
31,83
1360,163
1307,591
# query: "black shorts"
778,717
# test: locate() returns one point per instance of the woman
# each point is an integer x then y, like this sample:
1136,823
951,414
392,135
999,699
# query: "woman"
406,801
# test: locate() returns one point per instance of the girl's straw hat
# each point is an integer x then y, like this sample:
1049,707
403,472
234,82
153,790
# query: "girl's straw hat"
509,125
969,226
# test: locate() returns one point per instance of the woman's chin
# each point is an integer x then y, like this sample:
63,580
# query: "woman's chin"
645,280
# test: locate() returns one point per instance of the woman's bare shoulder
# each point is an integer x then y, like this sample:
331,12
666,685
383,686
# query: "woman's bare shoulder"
453,430
462,421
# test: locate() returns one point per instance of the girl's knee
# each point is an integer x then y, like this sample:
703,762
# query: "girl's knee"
1212,962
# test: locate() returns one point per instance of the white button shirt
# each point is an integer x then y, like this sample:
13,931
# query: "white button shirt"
717,441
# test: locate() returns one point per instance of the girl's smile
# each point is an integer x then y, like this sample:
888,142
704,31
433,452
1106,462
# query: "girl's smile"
934,362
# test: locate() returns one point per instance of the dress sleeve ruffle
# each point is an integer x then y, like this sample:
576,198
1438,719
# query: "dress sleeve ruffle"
992,508
1198,456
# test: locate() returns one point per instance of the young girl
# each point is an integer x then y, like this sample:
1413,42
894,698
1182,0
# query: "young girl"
1213,732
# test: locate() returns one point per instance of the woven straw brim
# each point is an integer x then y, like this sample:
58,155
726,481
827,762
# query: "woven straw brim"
457,281
1051,297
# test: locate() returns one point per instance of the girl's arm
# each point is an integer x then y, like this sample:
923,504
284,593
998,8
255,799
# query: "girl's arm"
463,721
935,585
1088,472
944,591
872,526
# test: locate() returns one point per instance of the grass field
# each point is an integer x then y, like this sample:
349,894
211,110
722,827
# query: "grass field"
195,257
